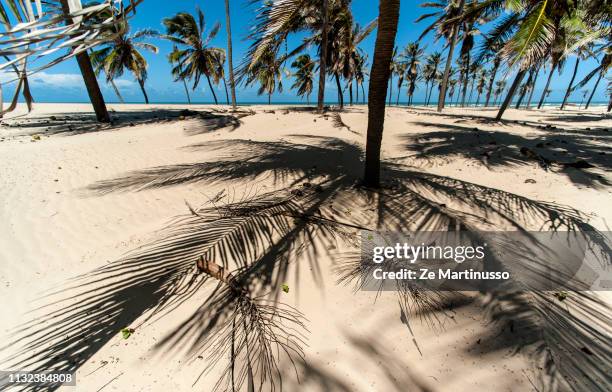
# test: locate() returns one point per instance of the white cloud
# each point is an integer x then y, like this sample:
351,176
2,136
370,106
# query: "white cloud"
60,80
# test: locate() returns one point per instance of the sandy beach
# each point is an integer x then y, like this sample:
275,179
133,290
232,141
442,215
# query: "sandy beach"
80,200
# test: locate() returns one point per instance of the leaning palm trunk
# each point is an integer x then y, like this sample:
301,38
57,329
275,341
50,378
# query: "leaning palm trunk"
593,92
388,15
89,77
323,59
226,93
112,83
533,84
339,87
571,83
449,61
229,53
142,88
466,80
524,91
211,89
511,92
491,81
552,69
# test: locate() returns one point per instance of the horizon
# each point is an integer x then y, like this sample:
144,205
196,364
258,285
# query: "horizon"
65,78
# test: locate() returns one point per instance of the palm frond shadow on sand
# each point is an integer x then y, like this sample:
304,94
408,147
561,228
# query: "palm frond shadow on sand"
68,124
494,149
264,239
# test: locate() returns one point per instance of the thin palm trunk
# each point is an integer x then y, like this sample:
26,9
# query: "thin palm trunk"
491,81
186,91
472,89
426,93
388,16
399,90
350,88
552,69
593,92
228,27
339,87
465,80
112,83
211,89
269,98
610,103
533,84
144,92
568,92
390,88
508,100
89,77
357,91
226,92
524,91
449,61
363,94
323,59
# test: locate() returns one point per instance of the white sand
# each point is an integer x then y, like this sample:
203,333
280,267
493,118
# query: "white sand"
52,229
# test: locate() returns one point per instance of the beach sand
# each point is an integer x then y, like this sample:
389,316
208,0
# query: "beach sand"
63,218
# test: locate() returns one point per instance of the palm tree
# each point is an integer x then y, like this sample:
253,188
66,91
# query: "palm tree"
304,75
197,58
412,55
174,49
600,70
428,76
447,25
433,61
482,80
400,70
267,71
323,56
228,28
393,67
500,86
121,54
388,15
89,77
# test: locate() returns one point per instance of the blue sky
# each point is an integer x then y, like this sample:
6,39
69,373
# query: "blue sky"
63,83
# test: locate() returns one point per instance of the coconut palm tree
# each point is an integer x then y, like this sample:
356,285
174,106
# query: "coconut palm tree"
174,49
482,80
230,63
412,55
500,86
304,75
268,73
123,54
388,15
400,70
446,24
604,65
433,61
194,58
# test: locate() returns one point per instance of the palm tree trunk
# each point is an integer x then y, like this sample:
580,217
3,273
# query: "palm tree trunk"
465,80
610,103
508,100
228,27
426,93
533,84
522,96
491,81
89,77
144,92
569,87
350,86
363,95
593,92
357,91
388,15
112,83
552,69
339,87
449,61
226,93
399,90
212,90
390,87
187,91
323,59
269,98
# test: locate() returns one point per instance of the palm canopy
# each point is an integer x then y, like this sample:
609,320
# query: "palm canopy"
193,56
304,75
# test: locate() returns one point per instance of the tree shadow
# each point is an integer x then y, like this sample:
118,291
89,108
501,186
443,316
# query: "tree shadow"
494,149
75,123
264,240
